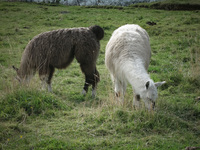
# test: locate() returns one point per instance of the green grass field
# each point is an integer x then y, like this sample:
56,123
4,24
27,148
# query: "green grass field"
34,119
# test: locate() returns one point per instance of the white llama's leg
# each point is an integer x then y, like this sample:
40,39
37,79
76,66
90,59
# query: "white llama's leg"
123,90
120,89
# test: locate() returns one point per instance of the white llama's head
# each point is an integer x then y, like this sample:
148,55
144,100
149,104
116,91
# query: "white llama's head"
150,94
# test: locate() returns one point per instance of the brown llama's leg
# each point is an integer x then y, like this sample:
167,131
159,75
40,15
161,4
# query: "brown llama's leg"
50,75
43,78
46,74
91,77
96,80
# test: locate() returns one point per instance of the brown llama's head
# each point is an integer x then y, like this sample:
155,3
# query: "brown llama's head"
98,31
22,75
18,77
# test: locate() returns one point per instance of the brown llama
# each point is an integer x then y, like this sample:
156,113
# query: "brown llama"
57,49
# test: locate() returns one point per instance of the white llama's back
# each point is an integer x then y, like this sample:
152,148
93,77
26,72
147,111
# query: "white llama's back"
128,43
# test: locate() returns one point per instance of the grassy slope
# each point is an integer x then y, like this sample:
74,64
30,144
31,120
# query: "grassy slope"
172,5
182,2
34,119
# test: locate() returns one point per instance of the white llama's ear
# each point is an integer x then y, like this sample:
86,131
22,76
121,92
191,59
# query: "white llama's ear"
16,69
157,84
147,84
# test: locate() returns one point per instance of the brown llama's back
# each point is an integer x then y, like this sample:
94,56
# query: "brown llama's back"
57,48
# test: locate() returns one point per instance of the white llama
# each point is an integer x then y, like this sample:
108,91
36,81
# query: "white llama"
127,58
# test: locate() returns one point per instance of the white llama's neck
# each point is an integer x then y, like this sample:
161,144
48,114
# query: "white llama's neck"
137,75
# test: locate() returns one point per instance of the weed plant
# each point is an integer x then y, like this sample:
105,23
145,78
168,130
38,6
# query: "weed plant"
31,118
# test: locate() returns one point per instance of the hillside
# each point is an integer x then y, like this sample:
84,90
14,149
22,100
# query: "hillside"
31,118
171,5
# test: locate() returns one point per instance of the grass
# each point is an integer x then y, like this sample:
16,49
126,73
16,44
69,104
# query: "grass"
35,119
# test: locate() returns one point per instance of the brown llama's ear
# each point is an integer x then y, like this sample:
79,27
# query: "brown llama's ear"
16,69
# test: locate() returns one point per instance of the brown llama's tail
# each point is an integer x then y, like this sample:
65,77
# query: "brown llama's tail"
98,31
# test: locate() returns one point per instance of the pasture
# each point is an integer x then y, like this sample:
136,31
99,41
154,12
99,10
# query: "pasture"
31,118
